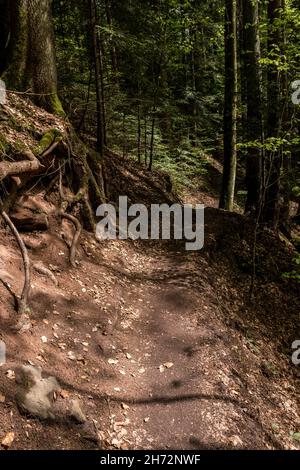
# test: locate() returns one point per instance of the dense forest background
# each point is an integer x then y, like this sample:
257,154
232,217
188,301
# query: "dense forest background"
157,81
160,85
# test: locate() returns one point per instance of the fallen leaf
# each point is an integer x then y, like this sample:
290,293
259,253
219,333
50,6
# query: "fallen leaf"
168,365
8,440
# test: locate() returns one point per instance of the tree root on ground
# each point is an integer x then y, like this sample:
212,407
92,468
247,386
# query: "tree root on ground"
23,307
9,289
77,224
30,165
41,269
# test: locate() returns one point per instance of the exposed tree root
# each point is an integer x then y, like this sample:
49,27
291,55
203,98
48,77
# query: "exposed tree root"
76,237
9,289
30,165
46,272
23,308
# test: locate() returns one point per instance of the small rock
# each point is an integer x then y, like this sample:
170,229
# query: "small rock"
236,441
35,396
64,394
76,412
10,374
71,356
112,361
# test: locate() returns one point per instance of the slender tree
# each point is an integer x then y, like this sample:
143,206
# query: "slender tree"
252,81
274,119
230,106
98,64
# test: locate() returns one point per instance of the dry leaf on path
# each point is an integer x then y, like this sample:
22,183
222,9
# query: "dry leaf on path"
8,440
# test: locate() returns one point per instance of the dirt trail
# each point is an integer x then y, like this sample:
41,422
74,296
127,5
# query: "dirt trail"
149,337
183,372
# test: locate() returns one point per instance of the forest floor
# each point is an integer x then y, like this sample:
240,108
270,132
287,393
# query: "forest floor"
163,347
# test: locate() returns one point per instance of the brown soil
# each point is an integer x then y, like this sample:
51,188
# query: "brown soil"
169,352
163,346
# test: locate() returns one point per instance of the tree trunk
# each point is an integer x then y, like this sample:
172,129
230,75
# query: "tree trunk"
252,80
98,78
113,53
230,106
274,124
4,33
139,134
31,52
152,143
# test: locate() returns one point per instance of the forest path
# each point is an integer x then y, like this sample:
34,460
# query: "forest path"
150,338
175,368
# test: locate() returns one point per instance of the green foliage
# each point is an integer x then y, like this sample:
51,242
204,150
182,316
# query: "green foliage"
295,436
169,67
295,274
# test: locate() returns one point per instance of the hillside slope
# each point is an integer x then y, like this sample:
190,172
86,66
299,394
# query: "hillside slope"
162,347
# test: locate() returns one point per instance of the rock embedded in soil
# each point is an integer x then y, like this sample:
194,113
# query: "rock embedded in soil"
36,394
76,412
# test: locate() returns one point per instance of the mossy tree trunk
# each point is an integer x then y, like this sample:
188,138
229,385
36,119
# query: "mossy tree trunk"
31,67
31,62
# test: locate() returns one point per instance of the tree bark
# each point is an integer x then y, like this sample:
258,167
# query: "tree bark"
230,106
274,122
252,81
98,78
113,53
31,52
